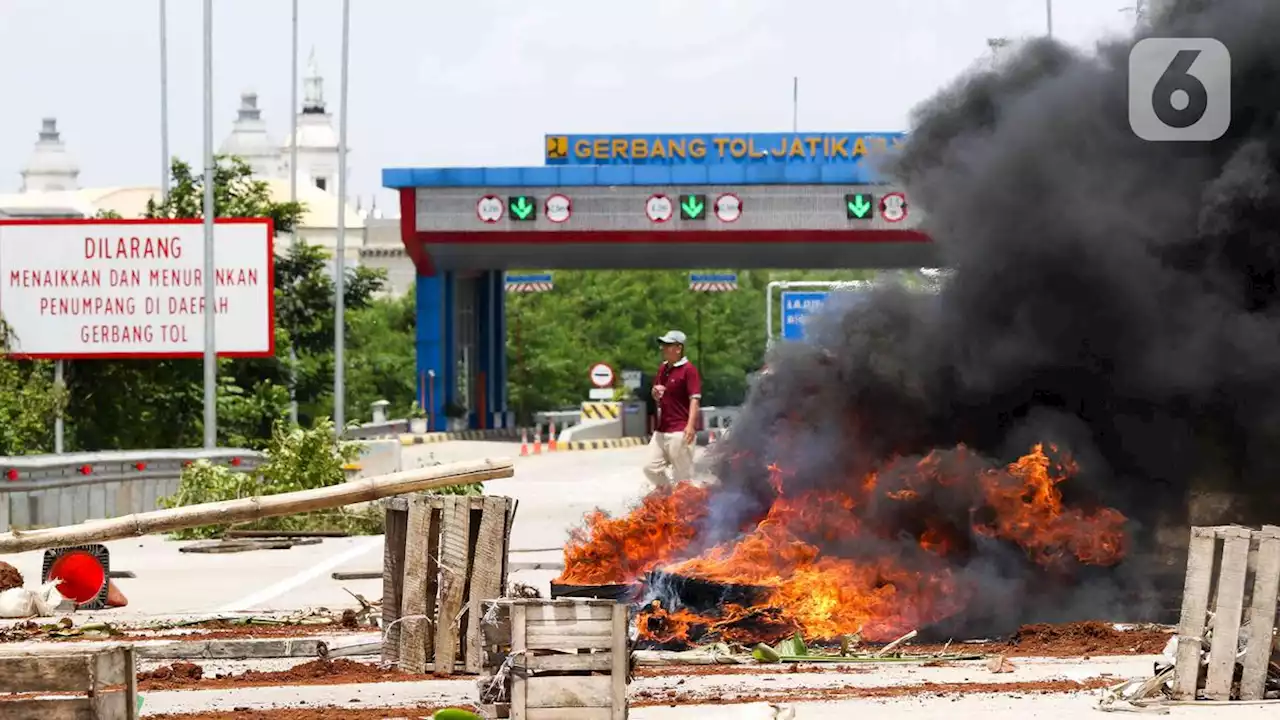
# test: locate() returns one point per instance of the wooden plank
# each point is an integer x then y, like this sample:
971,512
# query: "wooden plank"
1195,608
72,672
1227,614
569,691
582,662
553,640
115,706
543,611
61,708
576,713
129,659
65,670
393,575
416,625
1262,615
434,531
512,505
620,657
453,577
519,679
486,574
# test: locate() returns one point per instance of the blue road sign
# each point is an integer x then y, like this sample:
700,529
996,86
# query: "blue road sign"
796,307
713,282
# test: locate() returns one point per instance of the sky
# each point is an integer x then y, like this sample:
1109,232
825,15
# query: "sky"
452,84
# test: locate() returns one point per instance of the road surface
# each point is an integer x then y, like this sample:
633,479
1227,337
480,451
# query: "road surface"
554,491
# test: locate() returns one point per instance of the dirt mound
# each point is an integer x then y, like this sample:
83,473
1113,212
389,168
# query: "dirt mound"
1087,638
339,671
177,673
9,577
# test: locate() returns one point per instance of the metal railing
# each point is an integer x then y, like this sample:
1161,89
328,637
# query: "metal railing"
54,490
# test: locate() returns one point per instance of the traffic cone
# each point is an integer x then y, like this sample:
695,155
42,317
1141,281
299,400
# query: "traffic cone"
711,437
551,437
537,441
524,442
115,598
80,576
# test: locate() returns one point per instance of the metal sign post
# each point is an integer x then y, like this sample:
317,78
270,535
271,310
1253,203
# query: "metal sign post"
60,385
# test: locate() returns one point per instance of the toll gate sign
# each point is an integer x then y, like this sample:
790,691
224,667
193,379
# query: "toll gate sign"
796,309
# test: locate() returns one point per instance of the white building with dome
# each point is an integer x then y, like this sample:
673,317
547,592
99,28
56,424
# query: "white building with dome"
50,181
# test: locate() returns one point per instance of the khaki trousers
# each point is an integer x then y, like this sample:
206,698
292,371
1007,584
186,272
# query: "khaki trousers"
669,450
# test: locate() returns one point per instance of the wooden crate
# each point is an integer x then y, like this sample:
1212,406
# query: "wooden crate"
444,554
1220,563
103,680
565,659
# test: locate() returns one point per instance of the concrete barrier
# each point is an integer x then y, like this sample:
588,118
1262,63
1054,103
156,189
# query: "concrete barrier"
377,457
593,430
67,489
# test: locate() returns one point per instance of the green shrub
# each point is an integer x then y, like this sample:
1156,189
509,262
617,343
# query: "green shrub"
296,459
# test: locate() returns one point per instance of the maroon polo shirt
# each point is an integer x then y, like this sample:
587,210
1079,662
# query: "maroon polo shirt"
683,384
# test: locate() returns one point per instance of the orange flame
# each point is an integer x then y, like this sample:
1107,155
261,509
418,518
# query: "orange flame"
828,561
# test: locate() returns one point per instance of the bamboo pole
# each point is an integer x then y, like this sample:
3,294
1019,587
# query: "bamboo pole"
254,508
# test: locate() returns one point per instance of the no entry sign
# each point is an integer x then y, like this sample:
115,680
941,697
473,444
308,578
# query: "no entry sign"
601,375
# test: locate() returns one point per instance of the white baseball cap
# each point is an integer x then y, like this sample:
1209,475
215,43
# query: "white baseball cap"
673,337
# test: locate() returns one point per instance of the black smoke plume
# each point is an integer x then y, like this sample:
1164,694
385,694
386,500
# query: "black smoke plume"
1115,296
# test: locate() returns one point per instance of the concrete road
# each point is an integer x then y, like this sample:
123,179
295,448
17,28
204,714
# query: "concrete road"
1012,705
554,491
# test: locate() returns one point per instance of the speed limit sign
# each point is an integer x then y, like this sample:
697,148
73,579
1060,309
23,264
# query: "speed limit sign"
893,207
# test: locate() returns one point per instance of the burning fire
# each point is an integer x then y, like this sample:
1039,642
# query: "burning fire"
876,557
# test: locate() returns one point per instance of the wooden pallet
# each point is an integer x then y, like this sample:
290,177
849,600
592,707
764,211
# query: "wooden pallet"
102,684
567,659
1220,561
444,554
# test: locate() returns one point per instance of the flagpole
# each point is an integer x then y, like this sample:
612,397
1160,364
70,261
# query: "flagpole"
210,294
164,103
293,197
339,275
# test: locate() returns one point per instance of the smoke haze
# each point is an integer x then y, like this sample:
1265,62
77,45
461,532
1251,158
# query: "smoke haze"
1114,296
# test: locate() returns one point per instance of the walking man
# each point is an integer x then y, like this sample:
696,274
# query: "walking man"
677,390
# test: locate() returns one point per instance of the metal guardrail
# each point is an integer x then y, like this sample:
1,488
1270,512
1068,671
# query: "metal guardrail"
53,490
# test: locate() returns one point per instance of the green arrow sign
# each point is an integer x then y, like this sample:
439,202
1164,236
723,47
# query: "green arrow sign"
693,207
858,206
522,207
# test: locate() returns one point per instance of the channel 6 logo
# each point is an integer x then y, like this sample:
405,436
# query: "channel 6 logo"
1179,89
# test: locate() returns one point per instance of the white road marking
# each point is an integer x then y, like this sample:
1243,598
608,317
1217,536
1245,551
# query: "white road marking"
311,573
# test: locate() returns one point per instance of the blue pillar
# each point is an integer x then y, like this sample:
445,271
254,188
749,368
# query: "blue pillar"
450,360
432,367
484,348
500,343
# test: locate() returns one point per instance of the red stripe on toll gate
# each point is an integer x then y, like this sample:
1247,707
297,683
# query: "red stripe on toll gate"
675,237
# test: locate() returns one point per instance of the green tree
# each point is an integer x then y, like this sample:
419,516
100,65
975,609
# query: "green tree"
159,403
29,402
381,364
616,316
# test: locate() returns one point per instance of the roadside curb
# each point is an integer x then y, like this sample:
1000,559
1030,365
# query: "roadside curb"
607,444
428,438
